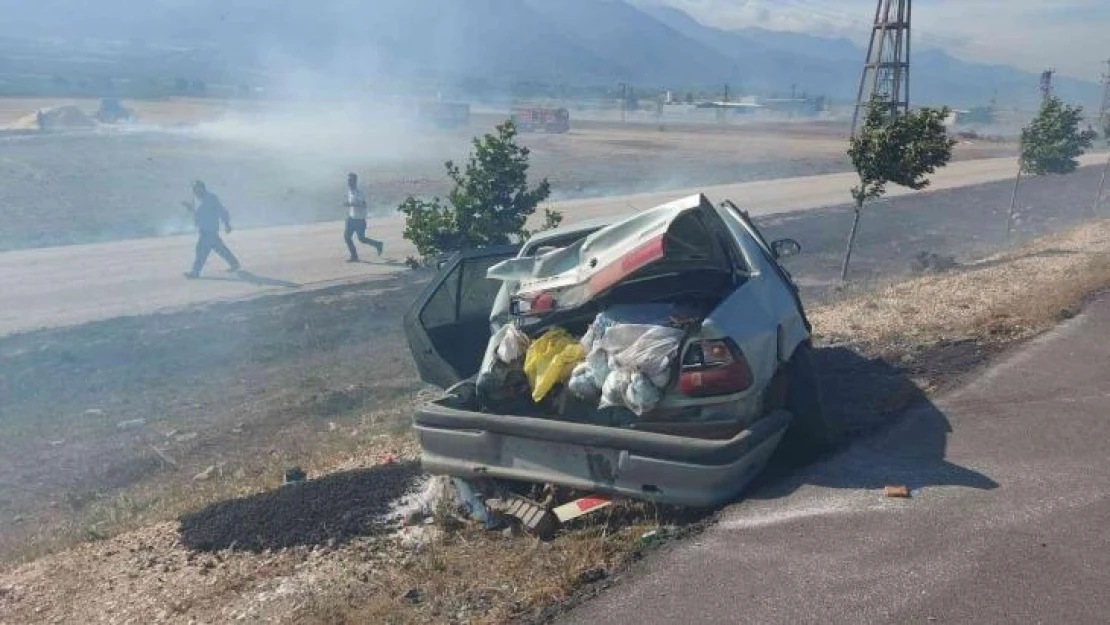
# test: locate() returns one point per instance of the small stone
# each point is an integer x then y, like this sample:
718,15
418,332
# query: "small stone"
186,437
901,492
132,424
206,474
94,412
413,595
57,443
332,426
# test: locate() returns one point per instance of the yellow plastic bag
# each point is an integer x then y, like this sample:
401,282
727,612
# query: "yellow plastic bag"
550,360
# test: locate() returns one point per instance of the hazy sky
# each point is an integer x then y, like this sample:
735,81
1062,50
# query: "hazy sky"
1072,36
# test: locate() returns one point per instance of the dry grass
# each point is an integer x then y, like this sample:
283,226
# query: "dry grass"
1007,297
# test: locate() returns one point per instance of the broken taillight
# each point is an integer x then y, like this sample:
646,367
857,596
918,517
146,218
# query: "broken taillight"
714,367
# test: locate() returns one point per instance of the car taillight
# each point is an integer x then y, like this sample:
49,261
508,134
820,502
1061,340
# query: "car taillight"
713,368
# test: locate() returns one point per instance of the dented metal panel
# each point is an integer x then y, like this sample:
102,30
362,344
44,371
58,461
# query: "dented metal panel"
583,270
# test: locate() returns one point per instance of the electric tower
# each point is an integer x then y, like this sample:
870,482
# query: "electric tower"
1046,84
886,71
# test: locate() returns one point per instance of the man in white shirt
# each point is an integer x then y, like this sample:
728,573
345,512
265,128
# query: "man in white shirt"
356,219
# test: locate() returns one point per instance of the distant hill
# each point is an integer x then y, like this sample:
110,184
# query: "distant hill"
497,42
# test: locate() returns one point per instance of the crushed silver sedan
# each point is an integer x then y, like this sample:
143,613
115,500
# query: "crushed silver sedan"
663,356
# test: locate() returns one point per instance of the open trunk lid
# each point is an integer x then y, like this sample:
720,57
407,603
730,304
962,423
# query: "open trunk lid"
682,236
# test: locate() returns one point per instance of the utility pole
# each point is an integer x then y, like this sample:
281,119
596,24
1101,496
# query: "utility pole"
1104,128
624,99
1046,84
886,70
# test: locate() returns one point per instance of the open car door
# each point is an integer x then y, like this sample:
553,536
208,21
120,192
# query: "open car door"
448,326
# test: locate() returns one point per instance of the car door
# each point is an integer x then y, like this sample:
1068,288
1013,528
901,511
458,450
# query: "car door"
448,325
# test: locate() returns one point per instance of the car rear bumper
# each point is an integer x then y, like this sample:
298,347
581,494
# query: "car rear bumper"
666,469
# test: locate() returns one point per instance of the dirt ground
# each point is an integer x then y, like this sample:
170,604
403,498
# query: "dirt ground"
282,167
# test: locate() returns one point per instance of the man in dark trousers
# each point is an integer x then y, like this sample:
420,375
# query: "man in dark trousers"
209,213
356,219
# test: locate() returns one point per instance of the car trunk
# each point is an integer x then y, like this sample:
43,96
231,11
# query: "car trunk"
669,263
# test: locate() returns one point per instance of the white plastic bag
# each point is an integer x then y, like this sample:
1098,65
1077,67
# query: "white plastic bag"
613,392
513,345
582,382
641,396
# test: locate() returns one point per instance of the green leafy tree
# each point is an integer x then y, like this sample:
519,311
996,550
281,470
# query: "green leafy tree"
903,149
489,205
1051,144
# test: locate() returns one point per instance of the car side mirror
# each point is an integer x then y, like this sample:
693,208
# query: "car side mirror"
785,248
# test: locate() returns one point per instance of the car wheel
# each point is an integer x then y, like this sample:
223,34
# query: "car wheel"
811,431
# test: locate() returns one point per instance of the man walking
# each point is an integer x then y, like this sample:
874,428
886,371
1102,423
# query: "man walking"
209,213
356,220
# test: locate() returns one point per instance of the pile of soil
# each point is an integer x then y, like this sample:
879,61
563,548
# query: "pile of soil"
326,511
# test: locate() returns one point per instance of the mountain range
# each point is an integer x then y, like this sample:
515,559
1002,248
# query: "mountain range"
575,42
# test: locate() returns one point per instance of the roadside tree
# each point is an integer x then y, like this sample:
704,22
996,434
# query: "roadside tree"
489,205
903,149
1051,144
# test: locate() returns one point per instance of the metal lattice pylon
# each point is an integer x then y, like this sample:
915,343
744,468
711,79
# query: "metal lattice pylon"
1104,109
886,71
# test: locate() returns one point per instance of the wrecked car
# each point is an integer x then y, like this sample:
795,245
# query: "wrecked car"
663,356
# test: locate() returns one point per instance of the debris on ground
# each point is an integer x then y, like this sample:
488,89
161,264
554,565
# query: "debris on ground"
293,475
131,424
931,262
325,511
902,492
206,474
580,507
535,518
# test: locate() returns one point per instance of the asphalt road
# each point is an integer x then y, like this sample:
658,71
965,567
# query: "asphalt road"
60,286
1007,524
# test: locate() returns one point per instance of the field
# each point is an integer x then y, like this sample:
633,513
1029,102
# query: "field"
284,166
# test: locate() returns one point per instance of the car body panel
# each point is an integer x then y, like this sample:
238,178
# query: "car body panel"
666,469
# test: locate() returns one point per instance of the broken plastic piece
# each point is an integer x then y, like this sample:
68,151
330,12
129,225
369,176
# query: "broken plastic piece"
474,507
580,507
533,517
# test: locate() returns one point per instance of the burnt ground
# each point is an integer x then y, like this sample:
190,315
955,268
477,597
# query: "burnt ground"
110,421
106,424
329,510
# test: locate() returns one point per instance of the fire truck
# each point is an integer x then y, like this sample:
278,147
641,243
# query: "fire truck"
531,119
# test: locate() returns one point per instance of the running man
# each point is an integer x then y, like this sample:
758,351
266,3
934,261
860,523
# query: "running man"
356,219
209,213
